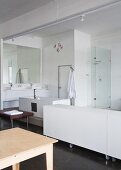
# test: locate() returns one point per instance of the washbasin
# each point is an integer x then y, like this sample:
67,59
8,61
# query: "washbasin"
20,88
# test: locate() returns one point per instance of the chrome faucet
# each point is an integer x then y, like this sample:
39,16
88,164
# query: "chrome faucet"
34,93
11,84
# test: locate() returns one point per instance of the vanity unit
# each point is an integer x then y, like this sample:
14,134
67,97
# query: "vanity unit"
35,105
11,96
91,128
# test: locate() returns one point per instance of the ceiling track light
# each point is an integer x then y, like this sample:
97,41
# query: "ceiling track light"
59,21
12,39
82,17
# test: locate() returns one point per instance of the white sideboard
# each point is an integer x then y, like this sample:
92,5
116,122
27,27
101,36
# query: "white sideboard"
114,134
91,128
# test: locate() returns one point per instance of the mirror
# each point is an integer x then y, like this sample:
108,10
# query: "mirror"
92,46
21,64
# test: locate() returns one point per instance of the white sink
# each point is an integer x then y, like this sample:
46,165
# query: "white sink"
20,88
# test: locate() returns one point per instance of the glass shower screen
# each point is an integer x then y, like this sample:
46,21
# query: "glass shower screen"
101,77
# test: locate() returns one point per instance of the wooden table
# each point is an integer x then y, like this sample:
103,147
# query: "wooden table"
17,145
16,117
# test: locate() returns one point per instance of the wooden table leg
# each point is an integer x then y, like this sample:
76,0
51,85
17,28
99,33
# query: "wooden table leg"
49,158
12,123
15,167
1,123
27,122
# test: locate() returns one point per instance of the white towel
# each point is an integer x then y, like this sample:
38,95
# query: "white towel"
13,112
71,86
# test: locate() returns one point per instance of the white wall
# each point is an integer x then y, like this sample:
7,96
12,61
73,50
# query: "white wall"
82,64
76,51
112,41
52,59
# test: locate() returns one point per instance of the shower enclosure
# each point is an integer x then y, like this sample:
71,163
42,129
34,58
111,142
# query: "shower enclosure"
101,78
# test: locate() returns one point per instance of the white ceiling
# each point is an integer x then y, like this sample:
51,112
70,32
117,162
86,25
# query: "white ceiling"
95,23
10,9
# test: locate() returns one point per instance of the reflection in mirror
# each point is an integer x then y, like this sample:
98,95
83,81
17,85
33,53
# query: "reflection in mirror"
10,74
101,77
21,64
92,46
22,76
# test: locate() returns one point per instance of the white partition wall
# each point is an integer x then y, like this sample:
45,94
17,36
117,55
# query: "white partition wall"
76,52
52,59
82,64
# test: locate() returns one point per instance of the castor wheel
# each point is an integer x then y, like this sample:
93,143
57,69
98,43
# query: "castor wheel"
113,159
107,157
70,146
106,162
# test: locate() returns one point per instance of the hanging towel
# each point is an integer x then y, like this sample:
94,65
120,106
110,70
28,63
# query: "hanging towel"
71,85
24,75
13,112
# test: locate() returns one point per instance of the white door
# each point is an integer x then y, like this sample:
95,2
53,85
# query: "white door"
63,81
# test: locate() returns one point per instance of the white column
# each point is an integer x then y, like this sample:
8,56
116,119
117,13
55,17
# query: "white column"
82,60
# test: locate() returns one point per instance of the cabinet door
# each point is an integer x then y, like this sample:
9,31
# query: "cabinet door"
114,134
77,125
92,132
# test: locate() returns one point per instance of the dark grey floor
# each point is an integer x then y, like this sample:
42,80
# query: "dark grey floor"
65,158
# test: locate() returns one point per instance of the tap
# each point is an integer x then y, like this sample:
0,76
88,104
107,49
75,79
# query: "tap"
31,84
11,84
34,93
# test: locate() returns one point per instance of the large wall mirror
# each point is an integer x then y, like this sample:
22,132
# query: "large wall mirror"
20,64
91,44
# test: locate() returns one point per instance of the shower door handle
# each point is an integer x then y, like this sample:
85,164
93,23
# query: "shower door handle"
97,62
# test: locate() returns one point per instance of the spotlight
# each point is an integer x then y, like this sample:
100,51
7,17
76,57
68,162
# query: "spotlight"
12,39
82,17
